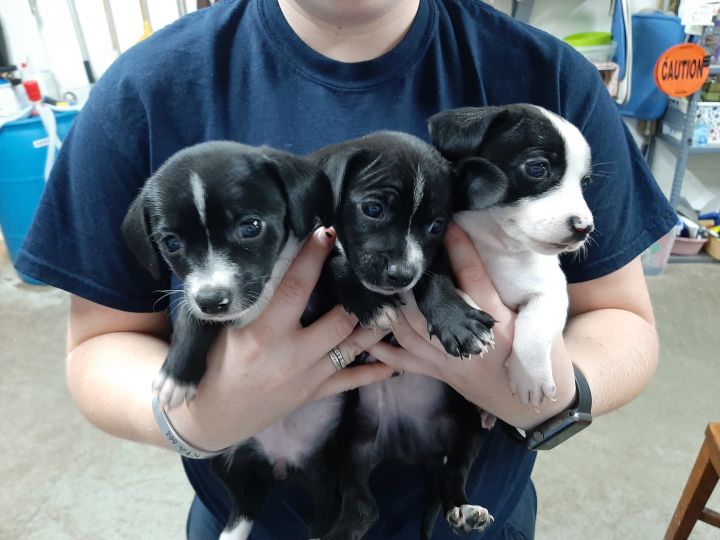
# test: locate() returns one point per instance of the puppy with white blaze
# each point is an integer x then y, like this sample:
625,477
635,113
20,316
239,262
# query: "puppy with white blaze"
393,200
521,172
393,197
228,219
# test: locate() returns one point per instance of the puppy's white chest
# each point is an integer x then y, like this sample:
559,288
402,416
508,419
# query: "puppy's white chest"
516,272
301,433
519,276
410,401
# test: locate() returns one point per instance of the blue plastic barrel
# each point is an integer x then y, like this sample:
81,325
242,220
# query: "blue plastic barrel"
23,150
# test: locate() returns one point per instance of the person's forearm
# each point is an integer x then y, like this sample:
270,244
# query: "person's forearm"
491,391
617,351
110,377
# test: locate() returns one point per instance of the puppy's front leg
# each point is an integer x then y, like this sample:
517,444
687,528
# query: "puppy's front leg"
373,310
529,366
462,328
186,361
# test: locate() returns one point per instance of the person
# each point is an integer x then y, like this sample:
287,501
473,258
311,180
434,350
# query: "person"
297,75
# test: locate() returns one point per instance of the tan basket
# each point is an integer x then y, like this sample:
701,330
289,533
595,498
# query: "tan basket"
713,248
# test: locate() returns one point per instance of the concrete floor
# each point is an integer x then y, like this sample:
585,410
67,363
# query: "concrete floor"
60,478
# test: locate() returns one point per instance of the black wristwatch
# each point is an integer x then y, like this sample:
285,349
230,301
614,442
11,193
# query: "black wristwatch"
563,426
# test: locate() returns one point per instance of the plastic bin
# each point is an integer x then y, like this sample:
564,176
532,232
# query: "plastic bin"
23,150
656,256
687,246
595,46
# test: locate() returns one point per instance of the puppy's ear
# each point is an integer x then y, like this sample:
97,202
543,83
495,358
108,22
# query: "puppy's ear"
136,231
340,162
458,133
308,192
480,184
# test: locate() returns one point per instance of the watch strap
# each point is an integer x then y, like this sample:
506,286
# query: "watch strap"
565,424
584,395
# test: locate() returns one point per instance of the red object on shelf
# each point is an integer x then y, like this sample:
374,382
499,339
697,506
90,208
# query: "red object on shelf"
32,89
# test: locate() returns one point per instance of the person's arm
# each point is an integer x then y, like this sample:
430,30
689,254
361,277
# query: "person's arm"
610,336
256,375
112,358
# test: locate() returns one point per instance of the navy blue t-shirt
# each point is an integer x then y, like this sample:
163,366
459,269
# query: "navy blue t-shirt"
237,71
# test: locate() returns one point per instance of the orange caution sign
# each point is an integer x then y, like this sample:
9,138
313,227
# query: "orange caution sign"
682,70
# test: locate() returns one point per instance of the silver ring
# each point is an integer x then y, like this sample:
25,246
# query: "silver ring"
337,358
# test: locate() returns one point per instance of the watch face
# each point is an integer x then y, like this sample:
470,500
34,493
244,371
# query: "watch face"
557,430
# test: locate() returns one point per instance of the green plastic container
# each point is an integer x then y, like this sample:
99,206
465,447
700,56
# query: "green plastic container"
595,46
588,39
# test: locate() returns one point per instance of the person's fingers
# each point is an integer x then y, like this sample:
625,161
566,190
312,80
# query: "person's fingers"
471,275
428,359
418,322
349,345
353,377
401,360
336,326
292,295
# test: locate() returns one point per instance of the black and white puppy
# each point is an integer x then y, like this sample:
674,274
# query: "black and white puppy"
227,219
521,172
393,195
393,201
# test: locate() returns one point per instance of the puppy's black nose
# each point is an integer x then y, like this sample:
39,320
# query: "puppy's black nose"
213,301
400,275
580,227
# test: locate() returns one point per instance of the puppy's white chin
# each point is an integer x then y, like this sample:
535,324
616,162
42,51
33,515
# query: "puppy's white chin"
380,290
550,247
387,291
574,247
220,318
235,316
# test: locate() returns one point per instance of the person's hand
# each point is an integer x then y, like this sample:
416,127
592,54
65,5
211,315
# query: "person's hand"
422,355
258,374
481,380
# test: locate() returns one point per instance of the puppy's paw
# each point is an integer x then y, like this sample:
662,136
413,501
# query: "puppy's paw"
463,330
468,518
532,384
172,392
382,319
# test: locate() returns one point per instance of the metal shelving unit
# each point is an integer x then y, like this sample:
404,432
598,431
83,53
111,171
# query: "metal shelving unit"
521,9
684,146
692,150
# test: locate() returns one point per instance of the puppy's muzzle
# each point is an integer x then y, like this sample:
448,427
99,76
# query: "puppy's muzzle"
213,301
399,275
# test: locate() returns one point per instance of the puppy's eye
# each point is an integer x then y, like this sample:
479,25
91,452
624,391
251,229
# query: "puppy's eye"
537,168
249,228
585,181
437,226
372,209
172,243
